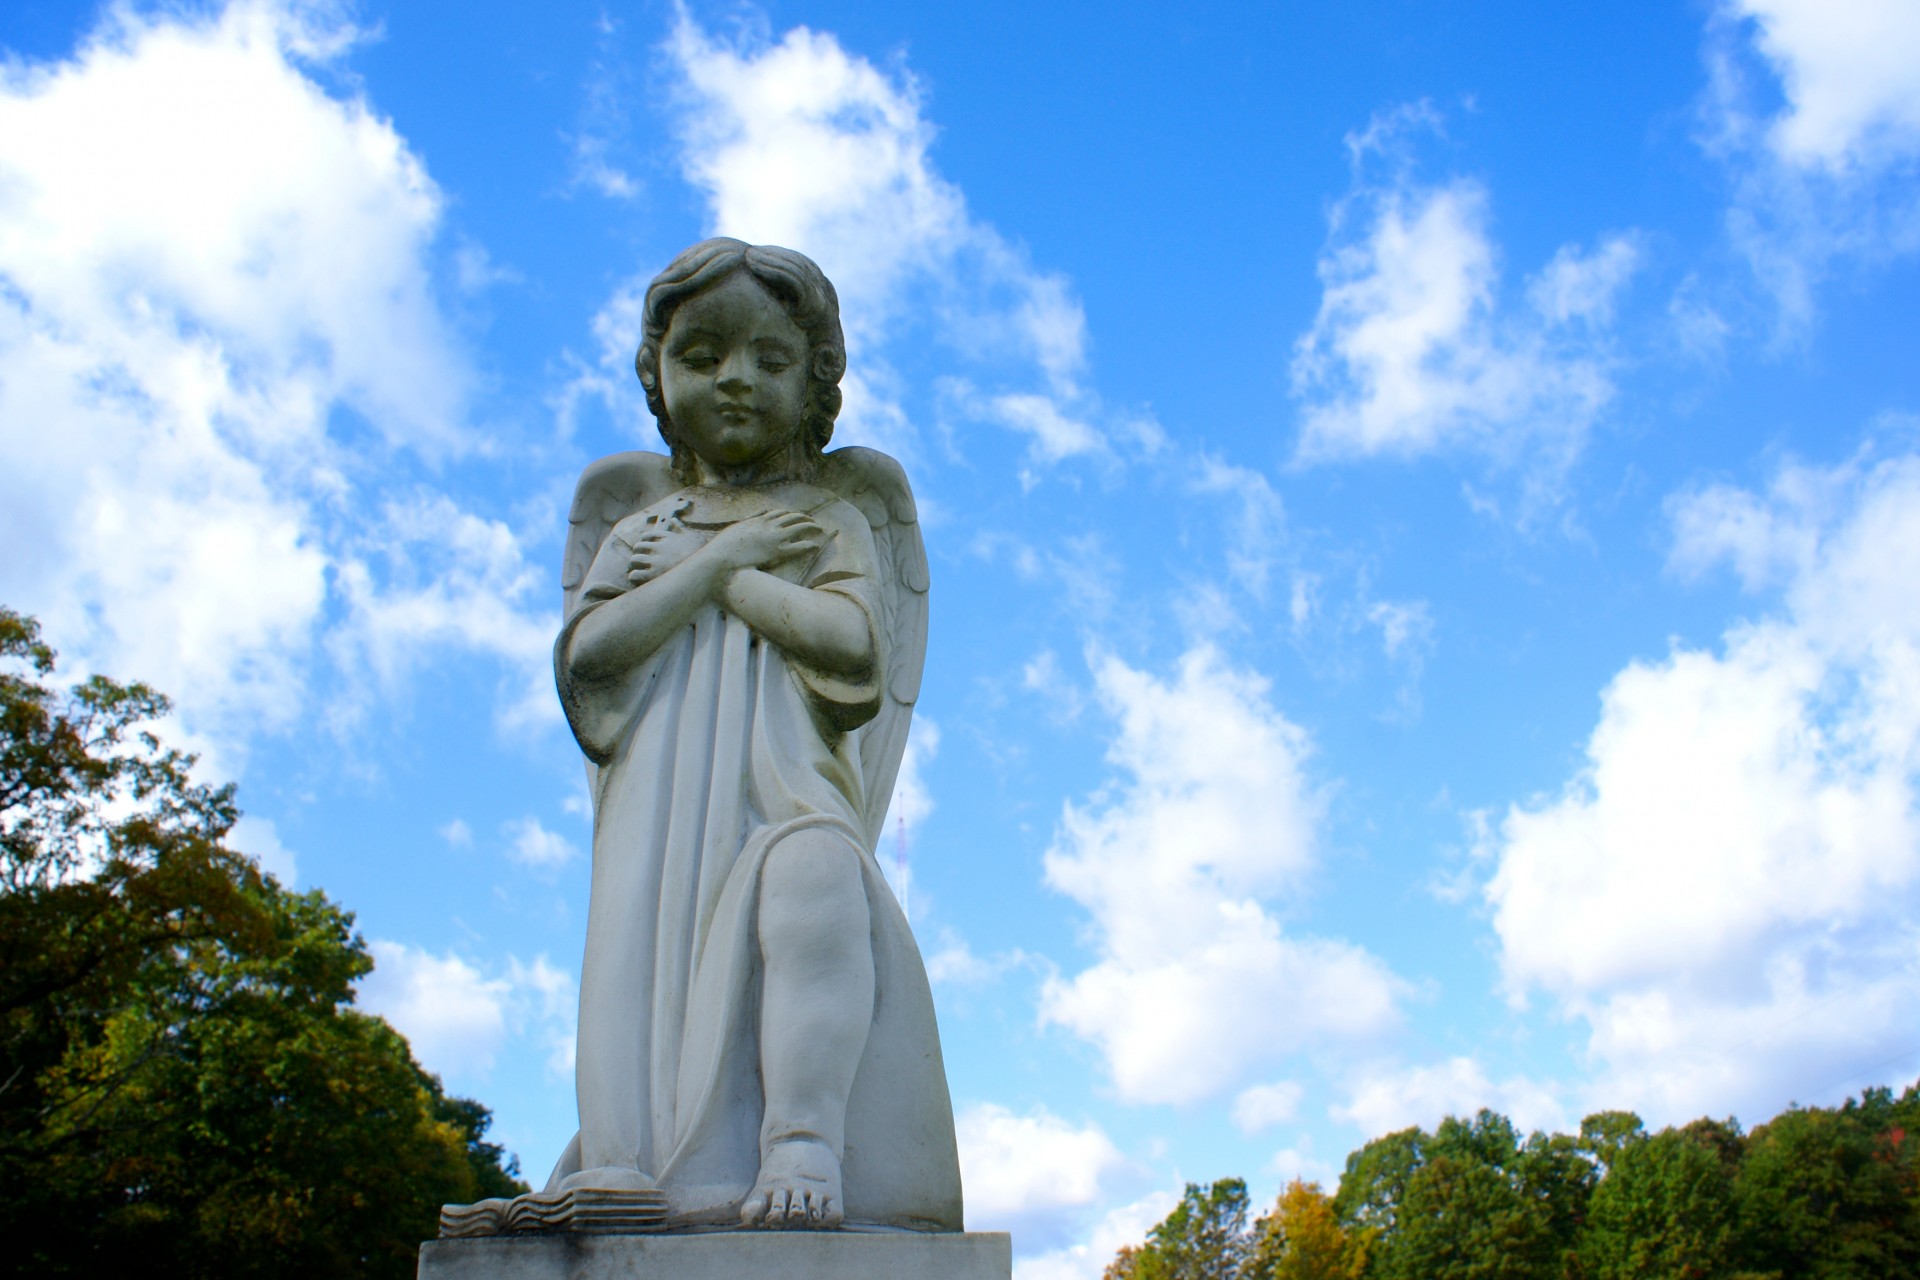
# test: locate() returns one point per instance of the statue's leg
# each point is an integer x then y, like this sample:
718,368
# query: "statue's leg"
816,1009
611,1053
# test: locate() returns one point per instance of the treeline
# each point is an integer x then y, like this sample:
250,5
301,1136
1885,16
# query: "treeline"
1815,1193
185,1087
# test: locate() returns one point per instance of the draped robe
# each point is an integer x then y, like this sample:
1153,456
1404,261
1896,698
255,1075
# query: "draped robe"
707,753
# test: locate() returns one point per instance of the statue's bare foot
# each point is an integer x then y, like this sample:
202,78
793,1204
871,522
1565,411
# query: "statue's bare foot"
799,1186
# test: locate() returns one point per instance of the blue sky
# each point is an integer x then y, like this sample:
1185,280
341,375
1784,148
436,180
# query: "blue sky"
1422,502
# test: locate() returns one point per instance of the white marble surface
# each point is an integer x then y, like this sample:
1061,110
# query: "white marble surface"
745,630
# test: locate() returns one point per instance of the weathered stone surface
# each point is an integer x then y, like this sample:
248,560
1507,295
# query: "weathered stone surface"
724,1255
745,629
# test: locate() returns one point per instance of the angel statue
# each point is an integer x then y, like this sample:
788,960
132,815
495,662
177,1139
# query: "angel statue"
745,627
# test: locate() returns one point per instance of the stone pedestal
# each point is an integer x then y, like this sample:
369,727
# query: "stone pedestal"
723,1255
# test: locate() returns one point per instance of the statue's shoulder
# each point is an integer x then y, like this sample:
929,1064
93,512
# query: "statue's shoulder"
609,490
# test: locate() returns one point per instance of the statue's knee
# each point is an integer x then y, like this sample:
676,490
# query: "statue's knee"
811,878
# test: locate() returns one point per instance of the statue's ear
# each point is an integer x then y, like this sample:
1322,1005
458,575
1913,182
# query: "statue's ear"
829,363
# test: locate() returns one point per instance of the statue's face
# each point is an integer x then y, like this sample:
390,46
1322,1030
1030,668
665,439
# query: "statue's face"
734,375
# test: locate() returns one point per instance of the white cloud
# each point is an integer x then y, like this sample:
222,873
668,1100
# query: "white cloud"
453,1015
1054,434
1385,1100
259,839
1257,532
1290,1163
1851,73
1030,1173
535,846
1087,1259
457,1018
1725,891
1266,1105
956,963
1828,178
191,319
558,1012
430,577
457,833
1406,627
1213,813
912,803
799,142
1412,351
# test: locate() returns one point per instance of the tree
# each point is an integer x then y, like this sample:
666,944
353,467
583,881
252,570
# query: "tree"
1463,1203
1833,1194
1665,1210
1302,1239
1375,1183
185,1089
1204,1238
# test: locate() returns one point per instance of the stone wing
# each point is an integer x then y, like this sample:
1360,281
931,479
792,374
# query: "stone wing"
608,491
875,484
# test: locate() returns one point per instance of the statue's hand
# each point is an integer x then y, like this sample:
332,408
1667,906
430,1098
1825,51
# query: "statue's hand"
762,541
658,551
664,545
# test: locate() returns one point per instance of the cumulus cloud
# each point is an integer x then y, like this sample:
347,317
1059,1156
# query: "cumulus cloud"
1087,1259
1266,1105
1725,891
1386,1099
533,845
1211,816
1826,176
453,1015
799,142
1413,350
457,1016
194,323
1850,70
1033,1173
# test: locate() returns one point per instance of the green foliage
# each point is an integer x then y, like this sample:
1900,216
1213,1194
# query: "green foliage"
1204,1238
1814,1194
1665,1210
1834,1195
185,1089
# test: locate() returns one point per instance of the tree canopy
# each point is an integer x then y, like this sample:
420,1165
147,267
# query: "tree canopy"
1813,1194
185,1086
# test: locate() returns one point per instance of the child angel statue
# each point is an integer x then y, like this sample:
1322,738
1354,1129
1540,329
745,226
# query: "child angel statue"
745,630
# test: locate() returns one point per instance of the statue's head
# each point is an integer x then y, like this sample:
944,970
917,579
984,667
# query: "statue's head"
801,289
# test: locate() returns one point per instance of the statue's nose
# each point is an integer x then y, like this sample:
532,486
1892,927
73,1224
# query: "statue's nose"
736,375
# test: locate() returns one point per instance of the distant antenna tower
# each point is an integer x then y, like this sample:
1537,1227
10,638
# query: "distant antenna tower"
900,870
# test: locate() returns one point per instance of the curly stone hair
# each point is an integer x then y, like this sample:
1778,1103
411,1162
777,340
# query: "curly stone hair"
810,302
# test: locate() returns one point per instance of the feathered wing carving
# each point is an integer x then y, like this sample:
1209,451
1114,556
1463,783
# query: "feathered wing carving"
608,491
875,484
